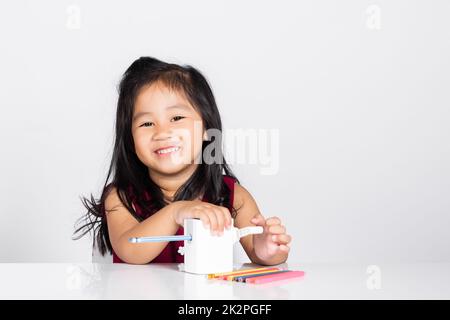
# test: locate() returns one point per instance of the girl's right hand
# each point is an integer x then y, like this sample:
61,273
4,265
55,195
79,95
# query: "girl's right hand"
215,218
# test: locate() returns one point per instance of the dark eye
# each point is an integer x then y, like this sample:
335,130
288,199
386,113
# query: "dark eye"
178,118
146,124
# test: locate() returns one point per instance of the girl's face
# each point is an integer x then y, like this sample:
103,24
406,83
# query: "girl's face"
167,130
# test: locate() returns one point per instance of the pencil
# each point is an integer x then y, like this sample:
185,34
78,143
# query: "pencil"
275,277
231,277
216,275
244,278
160,239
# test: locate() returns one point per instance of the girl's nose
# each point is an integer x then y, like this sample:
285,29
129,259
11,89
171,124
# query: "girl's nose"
163,132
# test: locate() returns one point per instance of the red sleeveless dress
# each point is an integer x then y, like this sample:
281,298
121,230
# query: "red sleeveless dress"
170,252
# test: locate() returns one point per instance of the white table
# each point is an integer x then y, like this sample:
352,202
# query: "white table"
165,281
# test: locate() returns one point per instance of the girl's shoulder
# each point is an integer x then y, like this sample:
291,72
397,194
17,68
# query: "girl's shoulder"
239,193
112,199
111,190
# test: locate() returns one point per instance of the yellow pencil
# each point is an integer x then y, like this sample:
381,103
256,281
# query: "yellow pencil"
216,275
231,278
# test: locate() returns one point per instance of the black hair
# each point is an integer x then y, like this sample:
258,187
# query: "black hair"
129,173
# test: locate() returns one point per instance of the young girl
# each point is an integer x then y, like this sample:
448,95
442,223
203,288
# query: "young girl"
160,177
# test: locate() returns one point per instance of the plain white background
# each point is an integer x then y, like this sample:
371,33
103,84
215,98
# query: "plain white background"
359,91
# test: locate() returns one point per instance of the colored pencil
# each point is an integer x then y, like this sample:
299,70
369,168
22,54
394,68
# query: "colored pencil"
231,277
216,275
275,277
244,278
239,273
160,239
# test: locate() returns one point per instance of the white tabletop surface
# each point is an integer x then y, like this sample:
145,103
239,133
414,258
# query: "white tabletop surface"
166,281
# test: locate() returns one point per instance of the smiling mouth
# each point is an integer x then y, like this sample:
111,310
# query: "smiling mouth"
167,151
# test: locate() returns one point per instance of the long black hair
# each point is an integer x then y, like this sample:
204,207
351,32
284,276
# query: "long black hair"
129,173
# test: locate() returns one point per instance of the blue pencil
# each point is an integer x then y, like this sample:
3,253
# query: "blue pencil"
159,239
242,278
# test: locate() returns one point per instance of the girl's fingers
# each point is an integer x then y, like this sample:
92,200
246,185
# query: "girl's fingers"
284,248
277,229
203,217
273,221
212,218
220,220
281,238
258,220
227,217
215,218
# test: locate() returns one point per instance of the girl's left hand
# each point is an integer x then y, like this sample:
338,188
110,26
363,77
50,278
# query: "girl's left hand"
273,240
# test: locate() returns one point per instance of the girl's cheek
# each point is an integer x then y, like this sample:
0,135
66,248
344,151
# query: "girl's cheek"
190,147
142,146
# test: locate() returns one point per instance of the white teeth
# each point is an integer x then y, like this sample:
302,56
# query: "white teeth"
168,150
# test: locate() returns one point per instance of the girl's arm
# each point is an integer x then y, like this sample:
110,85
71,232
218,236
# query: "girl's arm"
122,226
248,210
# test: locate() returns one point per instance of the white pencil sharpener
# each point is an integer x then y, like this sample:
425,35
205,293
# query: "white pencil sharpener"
207,253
